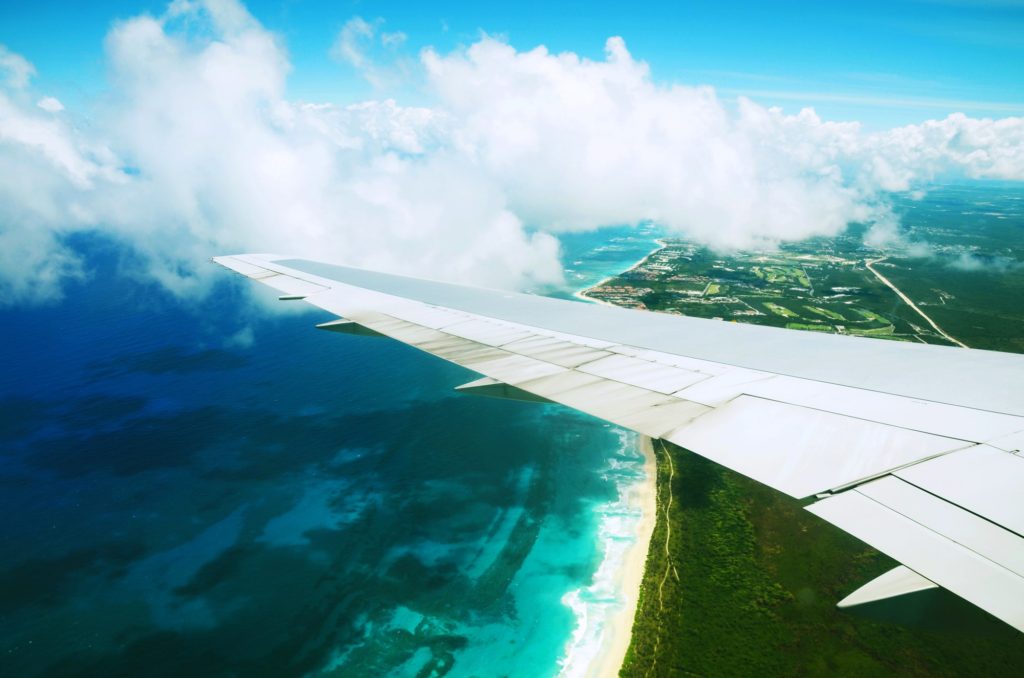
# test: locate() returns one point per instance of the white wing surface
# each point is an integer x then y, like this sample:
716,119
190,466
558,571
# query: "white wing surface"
914,449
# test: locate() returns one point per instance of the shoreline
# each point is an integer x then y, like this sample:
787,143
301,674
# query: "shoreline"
619,630
606,608
582,294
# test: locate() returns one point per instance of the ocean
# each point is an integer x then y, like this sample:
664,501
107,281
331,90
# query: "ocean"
206,486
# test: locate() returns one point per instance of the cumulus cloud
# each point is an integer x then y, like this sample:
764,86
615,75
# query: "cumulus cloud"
581,143
980,149
198,151
15,70
50,104
372,51
972,261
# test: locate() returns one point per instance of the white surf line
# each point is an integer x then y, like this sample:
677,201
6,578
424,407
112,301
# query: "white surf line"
911,304
582,294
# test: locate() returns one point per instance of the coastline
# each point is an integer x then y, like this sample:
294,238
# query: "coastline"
619,630
605,609
582,294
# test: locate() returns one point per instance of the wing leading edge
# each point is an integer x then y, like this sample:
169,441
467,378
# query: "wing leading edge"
914,449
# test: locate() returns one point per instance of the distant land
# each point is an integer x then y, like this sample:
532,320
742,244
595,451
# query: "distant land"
959,261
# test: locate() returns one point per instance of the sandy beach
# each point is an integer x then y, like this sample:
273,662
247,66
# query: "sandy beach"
605,610
619,628
582,294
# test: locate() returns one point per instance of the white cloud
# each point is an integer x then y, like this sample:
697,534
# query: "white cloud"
580,143
393,39
50,104
197,151
982,149
970,261
15,70
349,45
371,52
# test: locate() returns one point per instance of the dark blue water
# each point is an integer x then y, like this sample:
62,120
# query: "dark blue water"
206,486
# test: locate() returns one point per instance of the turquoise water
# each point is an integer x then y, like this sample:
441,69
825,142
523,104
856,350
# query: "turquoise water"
590,257
209,488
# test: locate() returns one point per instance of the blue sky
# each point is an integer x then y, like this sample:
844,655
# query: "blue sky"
883,63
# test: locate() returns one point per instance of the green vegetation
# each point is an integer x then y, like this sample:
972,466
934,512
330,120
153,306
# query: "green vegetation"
749,584
831,315
873,331
780,310
782,275
684,278
659,299
870,315
983,308
806,326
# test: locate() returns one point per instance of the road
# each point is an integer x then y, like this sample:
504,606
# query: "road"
870,265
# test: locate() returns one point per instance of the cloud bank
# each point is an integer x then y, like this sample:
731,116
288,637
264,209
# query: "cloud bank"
196,150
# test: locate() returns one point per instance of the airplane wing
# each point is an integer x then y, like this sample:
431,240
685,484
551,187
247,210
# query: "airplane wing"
914,449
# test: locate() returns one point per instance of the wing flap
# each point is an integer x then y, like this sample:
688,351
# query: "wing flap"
1011,443
983,480
801,451
919,415
910,526
724,387
486,332
644,373
554,350
974,532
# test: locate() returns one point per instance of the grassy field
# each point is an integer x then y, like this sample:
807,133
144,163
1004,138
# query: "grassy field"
780,310
871,315
809,327
831,315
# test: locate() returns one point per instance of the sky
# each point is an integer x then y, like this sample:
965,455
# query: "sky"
885,63
459,141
